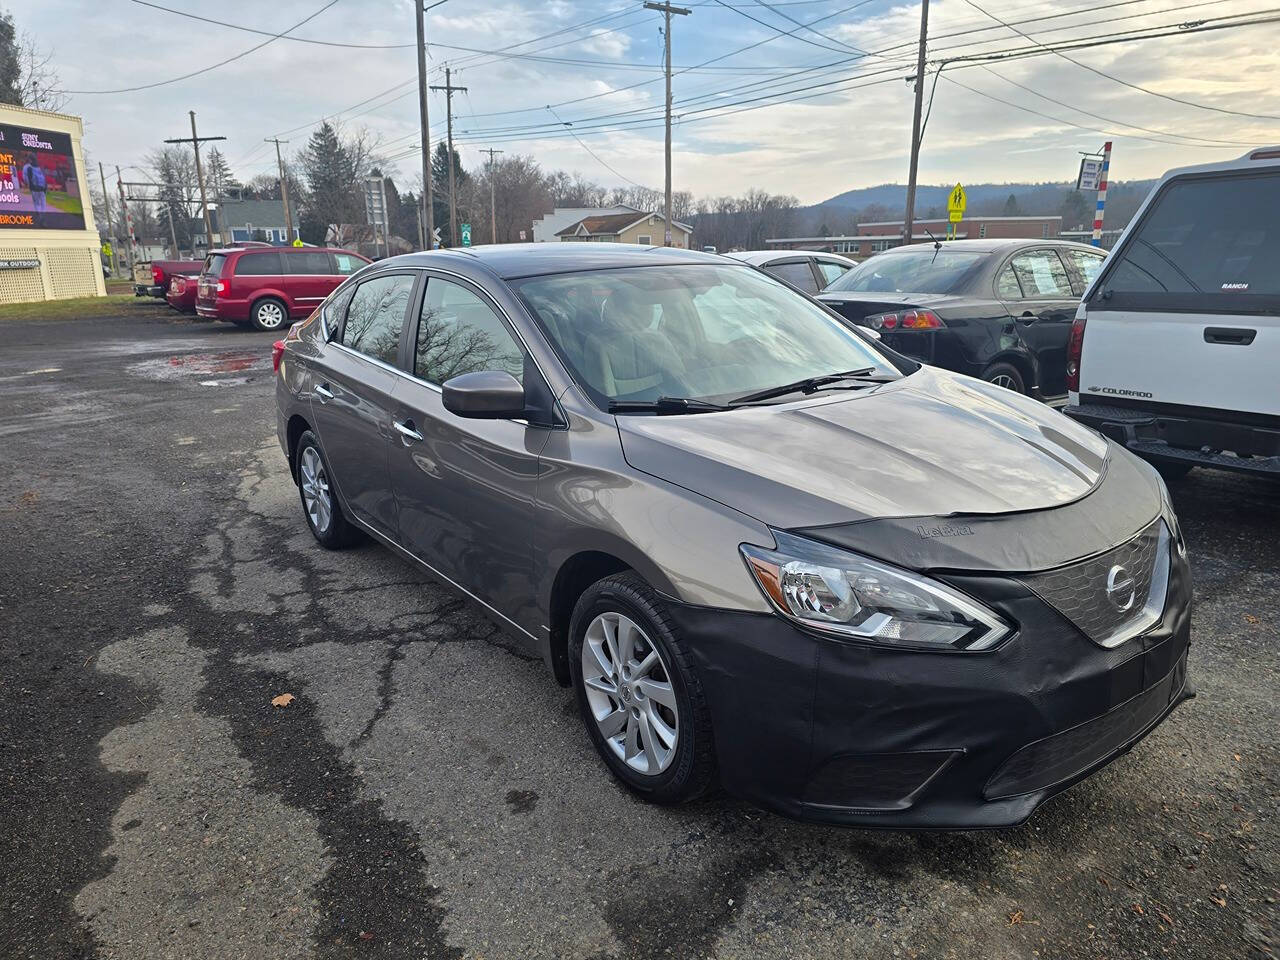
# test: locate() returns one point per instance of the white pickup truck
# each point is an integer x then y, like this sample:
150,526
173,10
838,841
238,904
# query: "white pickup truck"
1175,348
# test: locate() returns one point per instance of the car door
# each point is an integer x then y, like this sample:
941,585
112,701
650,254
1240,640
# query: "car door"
1042,313
308,279
353,382
466,487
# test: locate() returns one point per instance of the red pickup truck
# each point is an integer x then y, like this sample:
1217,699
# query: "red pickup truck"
152,279
181,294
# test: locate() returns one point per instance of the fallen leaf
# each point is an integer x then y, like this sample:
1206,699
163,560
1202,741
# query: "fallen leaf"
1250,618
1166,918
1237,756
1017,917
1137,908
283,700
1103,881
364,934
1219,901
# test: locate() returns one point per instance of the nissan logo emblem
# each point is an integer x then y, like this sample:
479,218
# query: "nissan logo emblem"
1120,588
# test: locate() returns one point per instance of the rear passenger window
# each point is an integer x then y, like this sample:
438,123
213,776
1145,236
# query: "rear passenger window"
1041,274
830,271
307,262
796,274
1208,235
347,264
1089,265
376,316
1007,285
459,333
264,264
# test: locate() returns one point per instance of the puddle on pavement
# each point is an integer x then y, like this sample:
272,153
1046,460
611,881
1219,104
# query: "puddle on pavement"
206,368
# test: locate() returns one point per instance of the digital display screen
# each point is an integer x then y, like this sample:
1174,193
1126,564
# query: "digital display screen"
39,189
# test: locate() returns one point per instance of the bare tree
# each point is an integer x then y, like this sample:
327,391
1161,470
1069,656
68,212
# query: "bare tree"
39,84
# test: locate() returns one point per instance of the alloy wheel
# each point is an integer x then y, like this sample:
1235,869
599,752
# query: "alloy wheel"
316,497
1004,380
270,315
629,692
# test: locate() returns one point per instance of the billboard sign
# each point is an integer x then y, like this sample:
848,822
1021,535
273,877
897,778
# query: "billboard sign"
39,189
1090,173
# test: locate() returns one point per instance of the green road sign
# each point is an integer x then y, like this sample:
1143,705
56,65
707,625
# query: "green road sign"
466,234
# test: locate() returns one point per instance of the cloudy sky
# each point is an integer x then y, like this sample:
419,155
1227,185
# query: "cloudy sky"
806,97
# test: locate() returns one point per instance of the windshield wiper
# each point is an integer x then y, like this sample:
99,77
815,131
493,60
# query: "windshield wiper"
665,405
808,385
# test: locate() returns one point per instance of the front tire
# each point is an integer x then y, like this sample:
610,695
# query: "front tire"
637,692
269,314
320,504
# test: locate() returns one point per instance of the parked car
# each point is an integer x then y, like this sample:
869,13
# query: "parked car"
999,310
181,294
762,548
1175,352
810,271
266,286
151,278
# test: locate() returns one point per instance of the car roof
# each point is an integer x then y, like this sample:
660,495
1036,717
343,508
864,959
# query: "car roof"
758,257
509,261
1001,245
286,249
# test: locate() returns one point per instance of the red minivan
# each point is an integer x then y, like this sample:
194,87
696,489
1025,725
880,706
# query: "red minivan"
265,287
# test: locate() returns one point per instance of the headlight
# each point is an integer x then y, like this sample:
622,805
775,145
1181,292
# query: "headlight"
850,596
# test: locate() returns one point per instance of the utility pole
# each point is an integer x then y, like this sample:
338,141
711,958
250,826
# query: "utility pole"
429,229
111,227
195,140
284,187
667,10
493,203
126,217
449,90
908,221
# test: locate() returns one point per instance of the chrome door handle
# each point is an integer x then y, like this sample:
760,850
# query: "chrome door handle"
406,430
323,392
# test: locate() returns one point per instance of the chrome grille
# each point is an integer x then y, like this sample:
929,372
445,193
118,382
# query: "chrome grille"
1080,591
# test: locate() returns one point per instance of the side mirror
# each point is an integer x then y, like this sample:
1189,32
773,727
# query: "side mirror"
484,395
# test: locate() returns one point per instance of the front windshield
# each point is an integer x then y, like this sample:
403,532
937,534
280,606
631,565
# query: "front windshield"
920,270
700,331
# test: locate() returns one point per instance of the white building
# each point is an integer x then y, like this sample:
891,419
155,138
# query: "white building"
545,229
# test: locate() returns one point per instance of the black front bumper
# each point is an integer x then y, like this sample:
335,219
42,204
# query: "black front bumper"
148,290
1185,437
820,729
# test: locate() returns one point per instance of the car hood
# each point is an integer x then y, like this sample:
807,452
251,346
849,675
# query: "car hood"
931,444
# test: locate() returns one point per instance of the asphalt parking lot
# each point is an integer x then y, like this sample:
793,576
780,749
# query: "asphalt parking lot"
430,792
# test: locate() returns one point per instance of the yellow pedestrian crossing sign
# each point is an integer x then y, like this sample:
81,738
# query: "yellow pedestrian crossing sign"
297,242
956,201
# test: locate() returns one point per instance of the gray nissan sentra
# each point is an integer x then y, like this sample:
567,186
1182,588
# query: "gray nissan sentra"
766,551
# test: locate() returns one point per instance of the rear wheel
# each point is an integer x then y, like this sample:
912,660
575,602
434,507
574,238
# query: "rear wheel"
319,500
1005,375
640,700
268,314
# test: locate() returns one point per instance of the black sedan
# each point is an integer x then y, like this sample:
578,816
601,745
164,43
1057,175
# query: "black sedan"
999,310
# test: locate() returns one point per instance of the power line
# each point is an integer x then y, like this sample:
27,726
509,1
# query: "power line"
1126,83
267,33
215,66
592,152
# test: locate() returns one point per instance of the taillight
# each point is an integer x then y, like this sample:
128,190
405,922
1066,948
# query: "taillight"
908,320
157,276
1075,348
277,354
222,287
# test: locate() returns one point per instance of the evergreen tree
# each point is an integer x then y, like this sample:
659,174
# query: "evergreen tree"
440,187
1011,208
217,175
333,185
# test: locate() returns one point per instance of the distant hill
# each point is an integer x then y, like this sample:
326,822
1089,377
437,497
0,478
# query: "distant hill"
894,195
887,201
